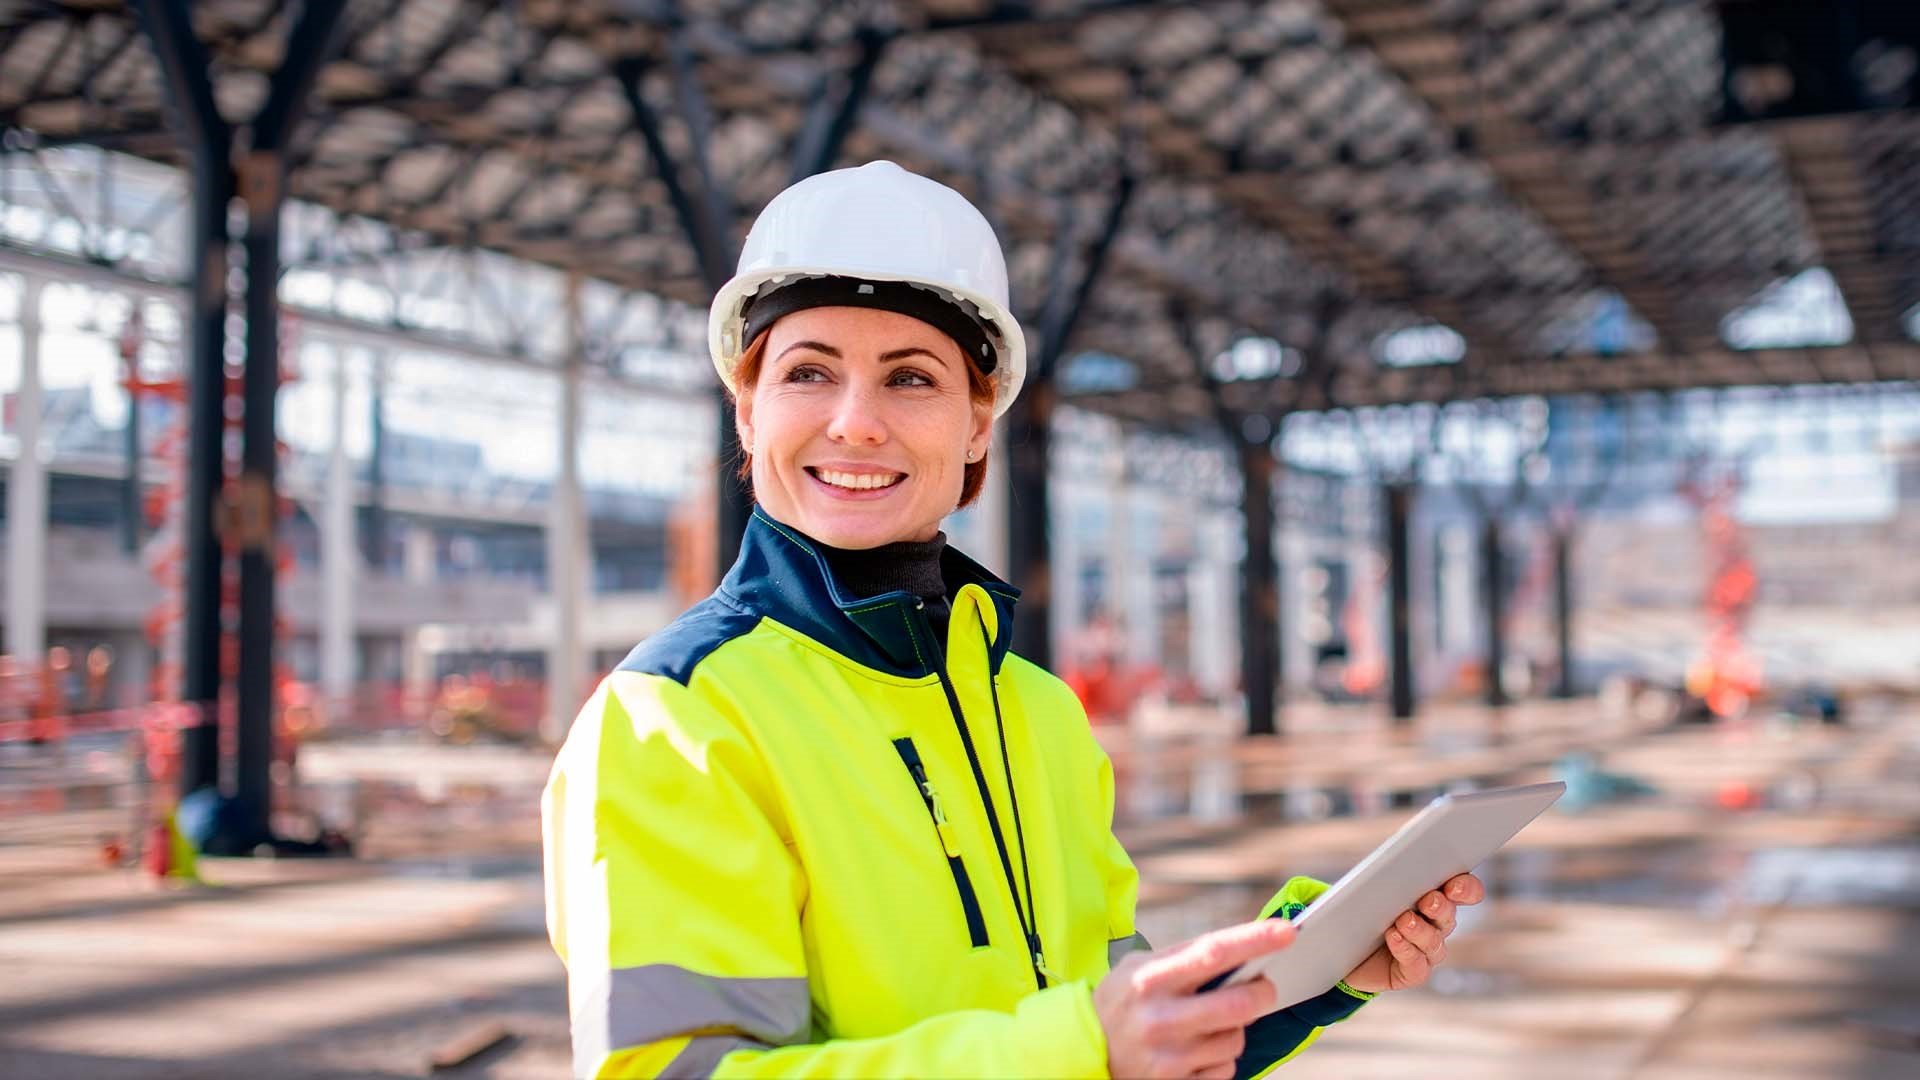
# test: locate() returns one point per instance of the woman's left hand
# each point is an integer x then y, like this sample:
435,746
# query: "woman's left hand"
1417,941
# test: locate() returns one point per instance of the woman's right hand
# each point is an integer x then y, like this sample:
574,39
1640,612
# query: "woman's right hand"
1157,1025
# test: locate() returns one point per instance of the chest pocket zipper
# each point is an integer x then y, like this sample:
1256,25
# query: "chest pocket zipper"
969,903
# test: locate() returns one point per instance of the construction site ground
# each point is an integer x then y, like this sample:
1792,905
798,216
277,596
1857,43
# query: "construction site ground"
1757,915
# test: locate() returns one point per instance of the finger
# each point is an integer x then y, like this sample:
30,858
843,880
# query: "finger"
1439,911
1216,1050
1250,1001
1227,1010
1412,964
1465,889
1425,936
1184,969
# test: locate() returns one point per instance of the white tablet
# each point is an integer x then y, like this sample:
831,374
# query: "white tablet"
1454,834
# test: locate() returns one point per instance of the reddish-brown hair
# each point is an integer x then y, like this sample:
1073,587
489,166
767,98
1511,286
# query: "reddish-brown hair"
979,390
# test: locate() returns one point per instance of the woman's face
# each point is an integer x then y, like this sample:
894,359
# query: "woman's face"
860,425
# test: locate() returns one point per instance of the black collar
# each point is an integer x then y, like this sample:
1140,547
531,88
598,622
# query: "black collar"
913,565
782,575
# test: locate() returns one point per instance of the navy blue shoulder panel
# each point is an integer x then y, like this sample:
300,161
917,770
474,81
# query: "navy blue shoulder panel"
781,576
677,648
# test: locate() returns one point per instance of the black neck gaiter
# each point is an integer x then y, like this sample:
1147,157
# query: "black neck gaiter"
910,565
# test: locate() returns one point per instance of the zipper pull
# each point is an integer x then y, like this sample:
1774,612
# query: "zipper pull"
1040,959
948,842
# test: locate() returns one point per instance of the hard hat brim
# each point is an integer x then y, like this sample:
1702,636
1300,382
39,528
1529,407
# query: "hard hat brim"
726,324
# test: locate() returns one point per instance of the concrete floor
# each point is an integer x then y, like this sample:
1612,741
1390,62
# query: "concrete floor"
1666,937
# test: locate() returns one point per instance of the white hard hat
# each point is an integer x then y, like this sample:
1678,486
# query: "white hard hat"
849,235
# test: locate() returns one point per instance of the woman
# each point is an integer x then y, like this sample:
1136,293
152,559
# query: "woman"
825,823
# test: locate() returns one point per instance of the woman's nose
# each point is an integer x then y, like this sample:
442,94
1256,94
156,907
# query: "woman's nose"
856,419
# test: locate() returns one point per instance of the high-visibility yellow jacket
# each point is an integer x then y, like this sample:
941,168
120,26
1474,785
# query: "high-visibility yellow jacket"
791,835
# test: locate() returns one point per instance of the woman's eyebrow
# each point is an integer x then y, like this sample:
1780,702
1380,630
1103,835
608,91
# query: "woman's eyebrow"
814,346
902,354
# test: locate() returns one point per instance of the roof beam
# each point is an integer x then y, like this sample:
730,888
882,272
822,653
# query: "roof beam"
1510,146
1721,367
835,110
704,222
1374,277
886,124
1312,231
1839,207
332,325
1056,331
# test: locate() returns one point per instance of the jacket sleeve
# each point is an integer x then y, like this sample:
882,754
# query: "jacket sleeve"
1279,1037
1274,1039
674,899
1122,879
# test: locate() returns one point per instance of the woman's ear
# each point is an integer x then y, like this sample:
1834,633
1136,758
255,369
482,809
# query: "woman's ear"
743,419
980,438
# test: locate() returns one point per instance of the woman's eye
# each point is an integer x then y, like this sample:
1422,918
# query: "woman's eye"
806,374
909,378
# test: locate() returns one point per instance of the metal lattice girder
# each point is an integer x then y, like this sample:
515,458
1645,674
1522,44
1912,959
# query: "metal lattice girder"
832,116
1601,114
1506,169
1718,367
1821,153
1189,241
945,108
1205,97
1432,56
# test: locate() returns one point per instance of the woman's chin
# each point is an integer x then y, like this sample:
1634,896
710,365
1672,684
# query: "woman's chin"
858,529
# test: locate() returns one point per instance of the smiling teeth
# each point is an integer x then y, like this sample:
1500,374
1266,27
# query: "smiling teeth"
858,481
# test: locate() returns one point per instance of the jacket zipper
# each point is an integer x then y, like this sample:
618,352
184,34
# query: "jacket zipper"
1029,929
969,903
1029,926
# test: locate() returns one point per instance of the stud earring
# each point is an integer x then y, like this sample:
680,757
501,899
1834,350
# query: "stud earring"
973,456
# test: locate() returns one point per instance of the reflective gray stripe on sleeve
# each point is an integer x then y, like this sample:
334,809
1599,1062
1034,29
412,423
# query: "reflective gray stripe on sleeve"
695,1061
639,1005
1120,947
703,1055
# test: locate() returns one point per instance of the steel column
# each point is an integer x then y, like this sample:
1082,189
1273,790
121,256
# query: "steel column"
254,505
1029,439
206,421
990,541
1563,686
132,507
1399,502
1493,600
1141,586
1029,445
1211,589
130,502
208,141
1259,591
567,540
710,235
374,539
26,637
337,554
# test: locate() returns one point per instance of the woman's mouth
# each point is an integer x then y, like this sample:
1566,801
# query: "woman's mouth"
855,482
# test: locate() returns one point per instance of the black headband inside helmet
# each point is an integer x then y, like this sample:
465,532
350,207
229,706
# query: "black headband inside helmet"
975,337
